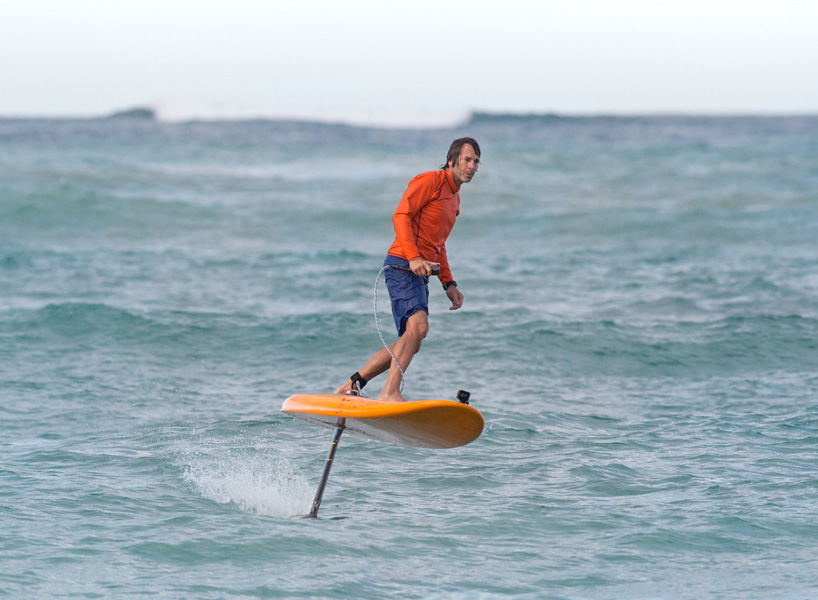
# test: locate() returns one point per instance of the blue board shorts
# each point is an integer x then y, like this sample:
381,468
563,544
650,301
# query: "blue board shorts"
408,292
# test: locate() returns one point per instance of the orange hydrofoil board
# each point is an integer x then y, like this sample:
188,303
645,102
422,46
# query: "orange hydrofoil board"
423,423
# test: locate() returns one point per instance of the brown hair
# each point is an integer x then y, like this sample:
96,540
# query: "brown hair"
457,145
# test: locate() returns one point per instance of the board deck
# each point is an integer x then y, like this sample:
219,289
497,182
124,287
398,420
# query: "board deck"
423,423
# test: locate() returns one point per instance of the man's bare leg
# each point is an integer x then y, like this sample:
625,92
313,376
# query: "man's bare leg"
404,349
376,365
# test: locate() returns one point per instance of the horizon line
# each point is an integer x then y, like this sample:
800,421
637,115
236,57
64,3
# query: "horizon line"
149,113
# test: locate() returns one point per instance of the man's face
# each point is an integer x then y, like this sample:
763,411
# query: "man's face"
466,165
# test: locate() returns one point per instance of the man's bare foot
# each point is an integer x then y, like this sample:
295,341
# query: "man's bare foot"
396,397
344,389
348,390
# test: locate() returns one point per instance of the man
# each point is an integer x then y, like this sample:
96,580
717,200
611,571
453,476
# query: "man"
423,220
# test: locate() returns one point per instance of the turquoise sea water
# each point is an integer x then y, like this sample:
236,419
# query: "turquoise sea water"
639,331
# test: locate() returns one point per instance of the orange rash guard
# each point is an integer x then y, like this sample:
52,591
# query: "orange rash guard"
424,219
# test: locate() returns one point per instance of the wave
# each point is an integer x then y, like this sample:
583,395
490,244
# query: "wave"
731,346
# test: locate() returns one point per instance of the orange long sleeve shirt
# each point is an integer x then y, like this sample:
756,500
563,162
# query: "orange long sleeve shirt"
424,219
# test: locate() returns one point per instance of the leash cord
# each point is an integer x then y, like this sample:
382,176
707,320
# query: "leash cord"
378,327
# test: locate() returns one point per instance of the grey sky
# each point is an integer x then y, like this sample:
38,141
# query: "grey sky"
414,61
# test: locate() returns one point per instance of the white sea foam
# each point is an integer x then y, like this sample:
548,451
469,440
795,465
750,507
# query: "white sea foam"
258,483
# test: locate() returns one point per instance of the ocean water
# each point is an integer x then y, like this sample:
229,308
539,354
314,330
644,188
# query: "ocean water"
639,331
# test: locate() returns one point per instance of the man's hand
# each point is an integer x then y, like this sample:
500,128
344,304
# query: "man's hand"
422,267
455,296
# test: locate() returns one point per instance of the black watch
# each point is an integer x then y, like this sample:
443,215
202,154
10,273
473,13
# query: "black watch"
448,284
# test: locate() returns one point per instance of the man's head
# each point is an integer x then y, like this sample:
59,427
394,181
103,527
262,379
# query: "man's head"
463,159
